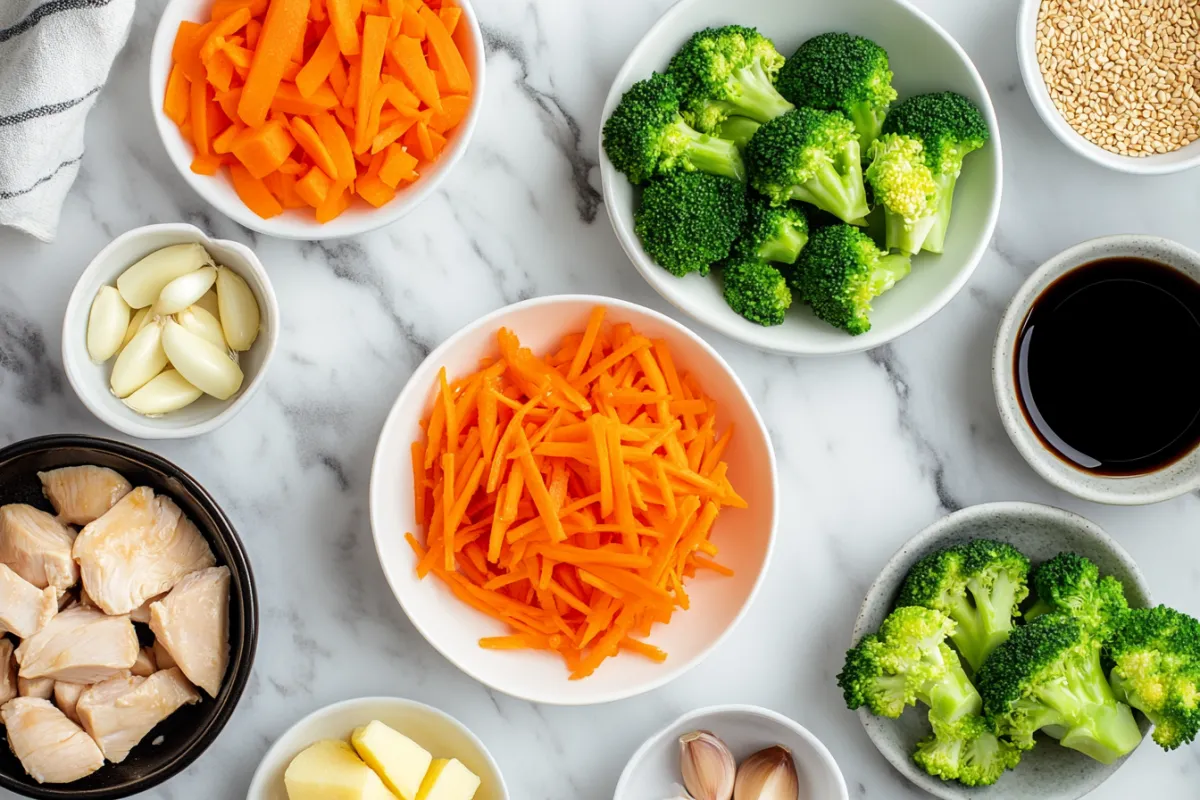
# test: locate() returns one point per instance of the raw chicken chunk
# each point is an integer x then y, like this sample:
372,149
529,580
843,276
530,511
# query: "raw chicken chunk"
37,547
51,748
82,494
8,671
38,687
119,712
24,608
141,547
79,645
192,623
66,695
144,666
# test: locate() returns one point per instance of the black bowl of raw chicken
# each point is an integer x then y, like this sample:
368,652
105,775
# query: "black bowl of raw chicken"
143,722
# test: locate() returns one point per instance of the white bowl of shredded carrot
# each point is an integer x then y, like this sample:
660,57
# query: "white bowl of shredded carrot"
316,119
610,487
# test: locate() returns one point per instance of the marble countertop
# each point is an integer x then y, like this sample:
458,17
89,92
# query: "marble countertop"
871,447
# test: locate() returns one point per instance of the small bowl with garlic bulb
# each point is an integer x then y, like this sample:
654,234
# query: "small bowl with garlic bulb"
741,751
168,333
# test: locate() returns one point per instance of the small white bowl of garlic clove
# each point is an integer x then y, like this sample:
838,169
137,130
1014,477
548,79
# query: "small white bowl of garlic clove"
169,332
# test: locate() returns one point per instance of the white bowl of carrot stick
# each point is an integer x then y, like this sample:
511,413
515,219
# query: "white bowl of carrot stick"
316,119
574,499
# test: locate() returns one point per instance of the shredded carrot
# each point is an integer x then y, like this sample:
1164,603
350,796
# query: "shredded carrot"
566,496
393,77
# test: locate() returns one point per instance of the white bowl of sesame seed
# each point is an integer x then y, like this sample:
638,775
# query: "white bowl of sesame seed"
1117,82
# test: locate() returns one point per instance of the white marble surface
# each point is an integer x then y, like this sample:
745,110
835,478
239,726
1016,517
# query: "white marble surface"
871,448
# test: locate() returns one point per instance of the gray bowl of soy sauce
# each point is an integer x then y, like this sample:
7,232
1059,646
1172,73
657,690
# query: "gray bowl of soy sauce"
1096,369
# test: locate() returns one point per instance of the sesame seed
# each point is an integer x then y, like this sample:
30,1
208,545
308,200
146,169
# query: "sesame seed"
1124,73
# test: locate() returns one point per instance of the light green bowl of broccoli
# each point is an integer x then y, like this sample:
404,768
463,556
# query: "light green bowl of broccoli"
982,658
732,139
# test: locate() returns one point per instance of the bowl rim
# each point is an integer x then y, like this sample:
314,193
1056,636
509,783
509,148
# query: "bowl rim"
932,533
257,788
1035,86
763,338
1057,472
79,307
239,563
309,230
418,382
772,717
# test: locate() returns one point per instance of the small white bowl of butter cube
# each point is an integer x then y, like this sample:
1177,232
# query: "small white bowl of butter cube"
378,748
168,332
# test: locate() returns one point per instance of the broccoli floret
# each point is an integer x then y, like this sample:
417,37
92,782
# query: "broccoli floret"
948,126
967,751
813,156
1156,653
772,233
841,72
840,271
688,220
1070,584
646,134
906,661
756,290
727,71
904,185
1048,676
739,130
979,584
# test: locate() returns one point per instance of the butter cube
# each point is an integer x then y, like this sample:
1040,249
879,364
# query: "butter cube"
448,779
401,762
330,770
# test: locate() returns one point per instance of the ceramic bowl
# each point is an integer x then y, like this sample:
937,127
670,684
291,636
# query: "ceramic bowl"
924,58
180,739
1048,772
360,218
436,731
1176,479
1031,73
745,536
654,768
91,381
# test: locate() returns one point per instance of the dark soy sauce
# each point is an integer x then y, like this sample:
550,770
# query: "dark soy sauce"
1108,366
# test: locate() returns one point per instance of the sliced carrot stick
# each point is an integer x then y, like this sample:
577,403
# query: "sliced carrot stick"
310,142
263,149
206,165
343,18
449,15
338,144
199,95
223,8
176,102
254,193
399,165
374,41
223,143
313,188
452,64
283,27
454,111
408,60
412,25
224,28
319,65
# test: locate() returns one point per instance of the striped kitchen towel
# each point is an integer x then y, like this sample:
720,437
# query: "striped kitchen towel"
54,59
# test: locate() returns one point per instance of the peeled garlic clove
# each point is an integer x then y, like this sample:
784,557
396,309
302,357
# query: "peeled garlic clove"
707,766
139,361
184,290
142,283
107,323
209,303
201,362
140,318
203,324
166,391
768,775
239,309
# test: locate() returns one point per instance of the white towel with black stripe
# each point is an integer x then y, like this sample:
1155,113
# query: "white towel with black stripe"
55,56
